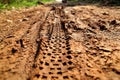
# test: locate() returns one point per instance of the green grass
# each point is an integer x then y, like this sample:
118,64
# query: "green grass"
18,4
23,3
47,1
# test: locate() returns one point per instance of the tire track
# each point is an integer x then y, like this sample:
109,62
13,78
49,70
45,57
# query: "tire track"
54,59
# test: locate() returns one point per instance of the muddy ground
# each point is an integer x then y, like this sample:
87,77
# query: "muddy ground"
47,42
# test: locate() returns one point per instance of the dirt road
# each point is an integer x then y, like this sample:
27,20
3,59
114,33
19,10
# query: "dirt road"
79,42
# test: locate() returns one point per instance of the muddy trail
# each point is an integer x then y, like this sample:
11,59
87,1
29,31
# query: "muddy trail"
60,43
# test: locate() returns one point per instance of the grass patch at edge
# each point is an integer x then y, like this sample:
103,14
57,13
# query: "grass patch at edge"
23,4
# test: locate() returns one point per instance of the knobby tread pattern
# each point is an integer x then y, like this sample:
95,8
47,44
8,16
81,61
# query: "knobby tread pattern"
54,61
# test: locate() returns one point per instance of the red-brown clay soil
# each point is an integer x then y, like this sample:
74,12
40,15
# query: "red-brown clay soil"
79,42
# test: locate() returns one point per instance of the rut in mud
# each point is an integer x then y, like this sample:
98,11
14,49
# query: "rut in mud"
53,59
60,43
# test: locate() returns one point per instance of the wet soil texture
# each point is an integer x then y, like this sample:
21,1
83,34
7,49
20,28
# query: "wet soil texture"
55,42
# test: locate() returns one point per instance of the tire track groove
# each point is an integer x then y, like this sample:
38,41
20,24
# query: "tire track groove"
53,57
